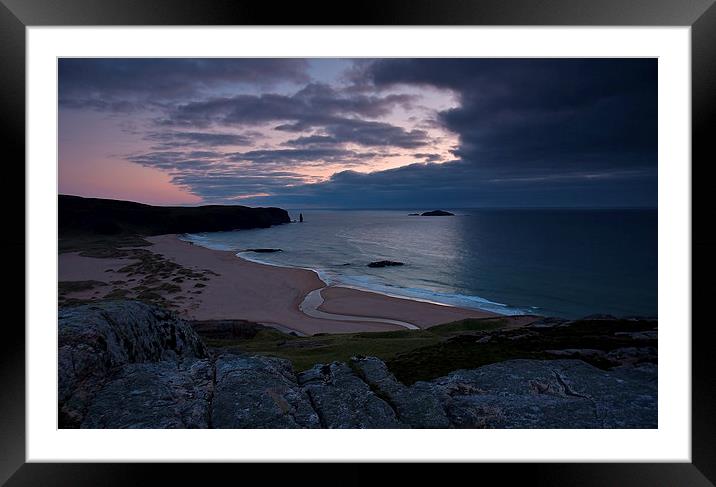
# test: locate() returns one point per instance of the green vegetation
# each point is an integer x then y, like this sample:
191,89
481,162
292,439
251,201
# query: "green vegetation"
64,288
100,246
146,271
471,351
117,294
67,287
77,286
414,355
440,359
304,352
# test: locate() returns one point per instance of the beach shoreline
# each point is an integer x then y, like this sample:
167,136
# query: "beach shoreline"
231,287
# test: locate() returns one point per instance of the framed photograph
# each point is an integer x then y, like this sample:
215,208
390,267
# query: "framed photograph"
436,233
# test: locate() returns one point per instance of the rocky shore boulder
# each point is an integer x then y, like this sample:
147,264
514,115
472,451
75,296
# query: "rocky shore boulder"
95,339
416,406
259,392
164,394
549,394
342,400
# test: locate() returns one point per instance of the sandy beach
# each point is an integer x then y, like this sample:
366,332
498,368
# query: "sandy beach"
233,288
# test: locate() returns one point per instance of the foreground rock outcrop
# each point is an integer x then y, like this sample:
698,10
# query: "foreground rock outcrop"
343,400
164,394
125,364
259,392
97,342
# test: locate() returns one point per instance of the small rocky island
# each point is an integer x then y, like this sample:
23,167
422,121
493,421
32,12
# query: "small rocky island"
385,263
437,213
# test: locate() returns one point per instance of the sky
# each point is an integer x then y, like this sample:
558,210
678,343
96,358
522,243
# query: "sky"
360,133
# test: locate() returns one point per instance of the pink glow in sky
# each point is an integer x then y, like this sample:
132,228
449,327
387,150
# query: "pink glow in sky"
91,164
124,140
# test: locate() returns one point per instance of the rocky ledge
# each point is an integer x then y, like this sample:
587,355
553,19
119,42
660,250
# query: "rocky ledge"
125,364
385,263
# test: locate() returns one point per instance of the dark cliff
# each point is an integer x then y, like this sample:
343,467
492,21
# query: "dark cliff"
112,217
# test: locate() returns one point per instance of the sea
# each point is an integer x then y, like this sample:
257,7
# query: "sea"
567,263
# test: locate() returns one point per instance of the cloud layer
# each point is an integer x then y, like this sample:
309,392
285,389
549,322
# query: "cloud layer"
518,132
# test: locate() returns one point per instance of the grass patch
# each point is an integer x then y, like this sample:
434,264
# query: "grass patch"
167,288
117,294
65,287
305,352
414,355
70,302
442,358
469,325
102,247
145,270
468,351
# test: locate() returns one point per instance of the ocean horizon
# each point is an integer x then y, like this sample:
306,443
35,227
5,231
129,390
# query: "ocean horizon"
563,262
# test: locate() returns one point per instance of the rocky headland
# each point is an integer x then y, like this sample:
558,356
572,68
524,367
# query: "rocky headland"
127,364
96,216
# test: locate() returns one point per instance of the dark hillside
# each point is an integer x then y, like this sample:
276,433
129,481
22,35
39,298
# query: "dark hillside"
113,217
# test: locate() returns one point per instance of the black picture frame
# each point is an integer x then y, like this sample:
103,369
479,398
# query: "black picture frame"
16,15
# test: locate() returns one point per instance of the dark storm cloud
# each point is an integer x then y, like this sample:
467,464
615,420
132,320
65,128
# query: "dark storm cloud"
459,184
362,132
305,156
189,160
312,140
100,105
215,177
310,106
558,113
428,157
532,132
170,140
315,107
118,84
217,186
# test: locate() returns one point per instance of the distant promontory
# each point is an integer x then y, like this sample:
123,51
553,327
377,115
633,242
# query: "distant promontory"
79,215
